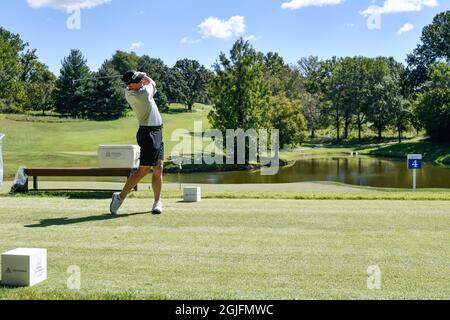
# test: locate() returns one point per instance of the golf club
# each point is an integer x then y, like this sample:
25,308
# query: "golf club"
74,82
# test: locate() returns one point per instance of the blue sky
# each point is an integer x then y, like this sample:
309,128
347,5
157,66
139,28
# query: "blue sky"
201,29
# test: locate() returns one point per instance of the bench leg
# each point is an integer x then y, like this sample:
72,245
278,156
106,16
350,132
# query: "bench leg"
35,184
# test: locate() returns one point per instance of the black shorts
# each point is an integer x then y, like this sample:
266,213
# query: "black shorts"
150,139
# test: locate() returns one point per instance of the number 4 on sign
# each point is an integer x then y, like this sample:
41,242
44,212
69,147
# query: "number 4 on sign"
414,161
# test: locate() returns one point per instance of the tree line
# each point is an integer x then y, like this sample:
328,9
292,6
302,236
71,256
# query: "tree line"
251,89
28,85
97,97
255,90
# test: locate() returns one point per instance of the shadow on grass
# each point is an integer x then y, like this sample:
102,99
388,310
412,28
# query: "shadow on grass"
66,221
73,194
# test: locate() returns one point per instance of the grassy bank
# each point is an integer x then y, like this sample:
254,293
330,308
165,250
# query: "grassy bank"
233,249
432,152
437,153
76,143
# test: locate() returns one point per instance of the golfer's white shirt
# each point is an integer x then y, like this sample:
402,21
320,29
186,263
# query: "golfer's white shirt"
144,106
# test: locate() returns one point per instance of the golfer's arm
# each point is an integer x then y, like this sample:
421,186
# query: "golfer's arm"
147,80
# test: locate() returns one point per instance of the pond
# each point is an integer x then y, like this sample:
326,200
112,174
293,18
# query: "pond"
372,172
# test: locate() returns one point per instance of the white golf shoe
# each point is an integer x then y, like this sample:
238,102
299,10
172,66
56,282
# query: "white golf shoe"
116,202
157,208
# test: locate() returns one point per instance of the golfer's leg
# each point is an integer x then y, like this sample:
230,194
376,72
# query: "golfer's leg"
157,180
134,180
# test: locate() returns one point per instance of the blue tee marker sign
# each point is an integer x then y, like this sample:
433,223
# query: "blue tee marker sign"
415,161
414,164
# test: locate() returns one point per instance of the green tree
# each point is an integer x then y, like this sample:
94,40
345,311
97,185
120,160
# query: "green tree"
435,47
315,78
330,87
283,78
312,112
108,98
195,81
275,68
346,90
401,116
352,91
239,92
12,93
175,86
288,118
123,61
360,91
386,93
74,98
311,68
400,105
433,105
40,84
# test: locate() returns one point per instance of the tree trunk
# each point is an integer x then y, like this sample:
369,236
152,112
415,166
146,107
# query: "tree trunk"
359,133
359,129
338,129
380,134
313,133
400,136
346,126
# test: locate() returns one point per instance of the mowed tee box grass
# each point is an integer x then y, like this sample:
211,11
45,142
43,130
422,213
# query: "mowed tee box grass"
234,248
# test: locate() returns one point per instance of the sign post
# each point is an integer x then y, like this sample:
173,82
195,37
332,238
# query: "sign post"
414,164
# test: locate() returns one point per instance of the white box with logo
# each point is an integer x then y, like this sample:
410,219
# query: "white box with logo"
24,267
192,194
119,156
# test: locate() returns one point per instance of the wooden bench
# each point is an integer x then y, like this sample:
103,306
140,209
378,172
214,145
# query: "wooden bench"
76,172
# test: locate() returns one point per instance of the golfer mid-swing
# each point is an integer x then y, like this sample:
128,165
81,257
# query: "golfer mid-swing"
139,94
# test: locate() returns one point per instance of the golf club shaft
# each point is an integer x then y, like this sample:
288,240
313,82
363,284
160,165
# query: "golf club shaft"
96,78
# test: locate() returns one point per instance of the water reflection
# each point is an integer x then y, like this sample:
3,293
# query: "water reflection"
355,171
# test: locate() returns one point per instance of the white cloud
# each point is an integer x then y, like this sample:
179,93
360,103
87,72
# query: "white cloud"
397,6
222,29
406,28
66,4
187,40
137,45
298,4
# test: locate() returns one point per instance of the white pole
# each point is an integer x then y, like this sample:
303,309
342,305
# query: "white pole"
180,167
414,180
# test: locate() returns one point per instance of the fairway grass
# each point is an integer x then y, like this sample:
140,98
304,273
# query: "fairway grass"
233,249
